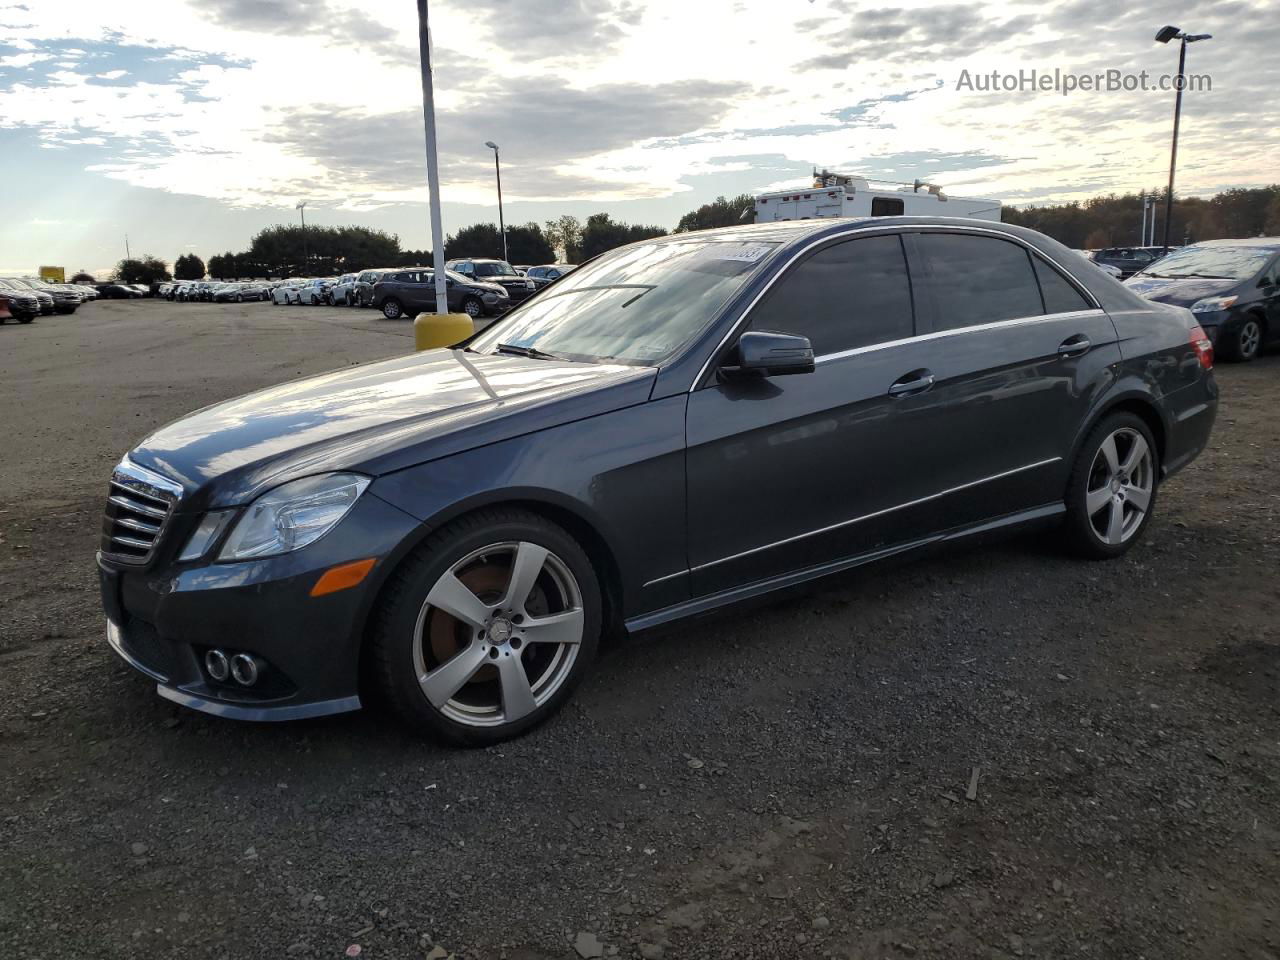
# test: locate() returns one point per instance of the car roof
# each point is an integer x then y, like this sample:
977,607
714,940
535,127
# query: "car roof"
795,232
1267,243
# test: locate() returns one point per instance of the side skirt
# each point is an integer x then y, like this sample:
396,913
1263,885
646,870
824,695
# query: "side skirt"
748,591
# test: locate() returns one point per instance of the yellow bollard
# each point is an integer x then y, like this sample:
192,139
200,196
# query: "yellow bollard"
432,330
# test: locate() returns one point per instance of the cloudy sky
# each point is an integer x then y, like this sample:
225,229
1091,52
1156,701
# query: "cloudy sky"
192,130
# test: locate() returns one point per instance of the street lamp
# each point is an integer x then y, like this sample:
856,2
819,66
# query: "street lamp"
302,211
1164,36
498,172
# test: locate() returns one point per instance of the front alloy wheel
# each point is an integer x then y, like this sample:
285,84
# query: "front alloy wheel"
488,627
1248,341
391,309
473,308
1112,488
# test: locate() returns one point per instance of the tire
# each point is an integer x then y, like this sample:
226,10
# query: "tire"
473,308
477,670
392,309
1109,507
239,298
1246,342
25,319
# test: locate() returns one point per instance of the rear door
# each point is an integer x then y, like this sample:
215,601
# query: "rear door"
1017,353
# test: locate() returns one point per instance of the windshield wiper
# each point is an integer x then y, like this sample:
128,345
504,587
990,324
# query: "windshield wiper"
532,353
1206,276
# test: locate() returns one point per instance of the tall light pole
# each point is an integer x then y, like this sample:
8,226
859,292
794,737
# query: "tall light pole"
498,172
302,210
1164,36
433,166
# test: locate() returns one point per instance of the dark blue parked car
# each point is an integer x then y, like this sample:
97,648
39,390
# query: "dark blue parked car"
1232,287
677,425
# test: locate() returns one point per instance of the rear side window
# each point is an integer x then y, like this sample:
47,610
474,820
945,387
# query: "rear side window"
399,278
886,207
1059,295
852,294
979,279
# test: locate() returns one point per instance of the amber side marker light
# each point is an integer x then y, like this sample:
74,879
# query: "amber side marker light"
343,577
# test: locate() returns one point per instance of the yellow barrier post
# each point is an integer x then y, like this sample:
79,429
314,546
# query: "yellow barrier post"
432,330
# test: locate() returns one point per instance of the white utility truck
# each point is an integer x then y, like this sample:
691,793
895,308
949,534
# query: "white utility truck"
834,195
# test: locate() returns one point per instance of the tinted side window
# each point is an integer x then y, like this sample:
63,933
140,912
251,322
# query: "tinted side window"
399,278
853,294
979,279
886,207
1059,295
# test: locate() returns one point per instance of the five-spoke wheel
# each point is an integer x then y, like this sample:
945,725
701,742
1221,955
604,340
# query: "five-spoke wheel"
1120,484
498,633
1112,488
488,626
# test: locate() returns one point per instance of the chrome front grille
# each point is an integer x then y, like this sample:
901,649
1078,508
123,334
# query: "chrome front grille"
138,505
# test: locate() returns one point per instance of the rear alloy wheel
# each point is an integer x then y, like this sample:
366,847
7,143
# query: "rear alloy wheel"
1247,343
1112,490
473,308
391,308
487,628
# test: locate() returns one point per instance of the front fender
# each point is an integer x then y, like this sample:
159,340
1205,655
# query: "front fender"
619,474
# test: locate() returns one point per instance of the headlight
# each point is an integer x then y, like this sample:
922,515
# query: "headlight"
293,515
211,526
1211,304
529,284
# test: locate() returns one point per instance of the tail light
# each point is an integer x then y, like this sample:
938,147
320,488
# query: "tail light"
1203,347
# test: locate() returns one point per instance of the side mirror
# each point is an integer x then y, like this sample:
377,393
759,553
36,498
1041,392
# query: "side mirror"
763,353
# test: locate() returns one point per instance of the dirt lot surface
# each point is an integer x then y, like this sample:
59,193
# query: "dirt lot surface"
785,781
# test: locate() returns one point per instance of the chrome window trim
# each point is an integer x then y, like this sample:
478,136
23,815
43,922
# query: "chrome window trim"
939,334
877,513
865,231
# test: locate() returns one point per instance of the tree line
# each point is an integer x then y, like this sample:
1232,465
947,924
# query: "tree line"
1116,220
289,250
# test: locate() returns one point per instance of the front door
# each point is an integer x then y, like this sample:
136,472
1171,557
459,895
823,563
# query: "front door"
790,472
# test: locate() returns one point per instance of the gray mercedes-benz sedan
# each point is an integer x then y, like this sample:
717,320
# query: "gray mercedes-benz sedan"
677,425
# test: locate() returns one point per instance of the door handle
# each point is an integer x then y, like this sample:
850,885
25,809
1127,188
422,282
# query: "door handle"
917,381
1074,346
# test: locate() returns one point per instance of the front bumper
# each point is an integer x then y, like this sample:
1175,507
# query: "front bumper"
163,618
24,308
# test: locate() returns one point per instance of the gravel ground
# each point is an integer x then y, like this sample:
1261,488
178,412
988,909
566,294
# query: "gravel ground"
790,780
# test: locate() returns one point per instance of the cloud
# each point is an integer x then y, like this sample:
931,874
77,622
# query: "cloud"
546,29
896,35
19,61
547,131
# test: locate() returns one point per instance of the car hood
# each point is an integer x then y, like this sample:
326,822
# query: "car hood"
377,418
1181,292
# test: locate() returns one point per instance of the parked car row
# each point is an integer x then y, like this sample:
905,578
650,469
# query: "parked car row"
123,291
476,286
51,297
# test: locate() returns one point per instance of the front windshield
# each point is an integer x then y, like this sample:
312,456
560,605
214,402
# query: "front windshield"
1221,263
638,304
498,269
